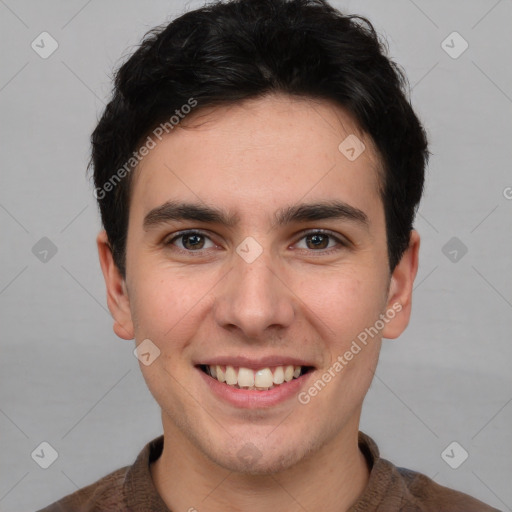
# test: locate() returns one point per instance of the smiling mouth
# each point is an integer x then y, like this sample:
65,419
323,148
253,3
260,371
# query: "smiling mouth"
262,379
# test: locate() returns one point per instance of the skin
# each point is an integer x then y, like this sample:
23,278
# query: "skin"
295,300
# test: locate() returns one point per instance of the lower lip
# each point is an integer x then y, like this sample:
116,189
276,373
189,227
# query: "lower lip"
253,398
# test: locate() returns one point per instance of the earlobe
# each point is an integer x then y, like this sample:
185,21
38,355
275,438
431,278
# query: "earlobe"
400,288
117,294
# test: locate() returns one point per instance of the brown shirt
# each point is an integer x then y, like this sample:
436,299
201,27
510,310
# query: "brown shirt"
389,489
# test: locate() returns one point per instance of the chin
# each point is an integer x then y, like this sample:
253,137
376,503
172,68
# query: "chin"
262,455
259,463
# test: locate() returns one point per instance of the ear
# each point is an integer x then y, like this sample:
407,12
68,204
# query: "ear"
117,295
400,289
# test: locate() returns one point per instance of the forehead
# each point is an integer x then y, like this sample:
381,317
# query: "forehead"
261,154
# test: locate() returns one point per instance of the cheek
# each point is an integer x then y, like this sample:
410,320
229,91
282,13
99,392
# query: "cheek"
164,305
346,302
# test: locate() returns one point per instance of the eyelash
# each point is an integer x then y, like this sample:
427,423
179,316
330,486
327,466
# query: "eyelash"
304,234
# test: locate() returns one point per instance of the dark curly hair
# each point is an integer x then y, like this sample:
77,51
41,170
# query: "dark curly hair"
226,52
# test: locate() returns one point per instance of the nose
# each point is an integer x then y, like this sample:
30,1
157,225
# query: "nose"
255,299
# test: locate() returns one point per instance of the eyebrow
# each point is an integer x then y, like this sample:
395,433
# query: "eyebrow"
177,211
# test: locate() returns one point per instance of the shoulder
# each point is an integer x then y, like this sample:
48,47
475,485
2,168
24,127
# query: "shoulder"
394,488
122,490
427,495
106,494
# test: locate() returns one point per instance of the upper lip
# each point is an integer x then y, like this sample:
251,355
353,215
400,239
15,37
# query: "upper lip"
254,363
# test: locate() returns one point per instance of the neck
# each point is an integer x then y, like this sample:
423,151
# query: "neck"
331,479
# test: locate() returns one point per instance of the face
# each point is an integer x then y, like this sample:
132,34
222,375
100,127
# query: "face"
245,279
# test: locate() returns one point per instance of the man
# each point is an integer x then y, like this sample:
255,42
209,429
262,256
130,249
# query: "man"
258,170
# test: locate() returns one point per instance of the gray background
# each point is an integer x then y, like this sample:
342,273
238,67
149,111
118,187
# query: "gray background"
68,380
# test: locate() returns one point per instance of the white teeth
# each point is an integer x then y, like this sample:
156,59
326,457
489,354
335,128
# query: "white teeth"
220,375
231,376
247,378
279,375
288,373
263,378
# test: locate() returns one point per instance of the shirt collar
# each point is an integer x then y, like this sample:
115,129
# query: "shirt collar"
139,489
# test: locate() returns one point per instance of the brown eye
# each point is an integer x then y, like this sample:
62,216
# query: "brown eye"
317,241
193,241
320,241
190,241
